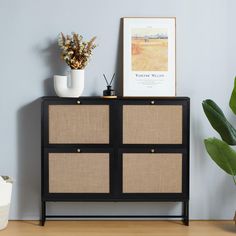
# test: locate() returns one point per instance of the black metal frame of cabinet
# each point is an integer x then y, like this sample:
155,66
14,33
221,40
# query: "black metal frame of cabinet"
115,148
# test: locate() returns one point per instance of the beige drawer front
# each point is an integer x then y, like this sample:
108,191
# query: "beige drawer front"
152,124
78,124
152,173
78,172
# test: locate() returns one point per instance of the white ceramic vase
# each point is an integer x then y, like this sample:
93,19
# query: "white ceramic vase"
76,87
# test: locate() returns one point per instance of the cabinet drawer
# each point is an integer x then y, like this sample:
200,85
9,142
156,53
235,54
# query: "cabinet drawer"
152,124
152,173
78,172
85,124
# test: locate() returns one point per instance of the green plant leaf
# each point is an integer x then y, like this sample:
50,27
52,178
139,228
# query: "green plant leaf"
222,154
214,106
219,122
232,102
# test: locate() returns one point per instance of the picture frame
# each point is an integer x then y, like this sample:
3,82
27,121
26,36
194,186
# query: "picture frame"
149,56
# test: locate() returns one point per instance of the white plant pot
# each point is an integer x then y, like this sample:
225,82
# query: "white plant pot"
75,89
5,200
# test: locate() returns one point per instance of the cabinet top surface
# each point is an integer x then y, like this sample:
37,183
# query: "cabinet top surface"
53,98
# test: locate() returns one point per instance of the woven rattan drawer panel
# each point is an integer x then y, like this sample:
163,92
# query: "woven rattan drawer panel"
152,124
152,173
78,172
79,124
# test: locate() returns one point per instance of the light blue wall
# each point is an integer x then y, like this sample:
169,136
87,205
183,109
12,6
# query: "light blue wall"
29,57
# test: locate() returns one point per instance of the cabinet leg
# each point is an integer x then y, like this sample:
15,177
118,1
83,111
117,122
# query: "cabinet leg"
186,213
43,213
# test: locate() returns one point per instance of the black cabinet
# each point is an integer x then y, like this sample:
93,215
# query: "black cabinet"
124,149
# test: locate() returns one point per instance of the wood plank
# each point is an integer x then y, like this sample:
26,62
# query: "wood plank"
115,228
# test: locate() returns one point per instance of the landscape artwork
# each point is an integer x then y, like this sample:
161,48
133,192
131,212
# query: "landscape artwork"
149,49
149,56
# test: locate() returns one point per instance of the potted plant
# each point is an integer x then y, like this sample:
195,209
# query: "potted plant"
76,53
219,150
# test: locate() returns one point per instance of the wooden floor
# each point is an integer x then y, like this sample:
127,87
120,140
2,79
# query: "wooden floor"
121,228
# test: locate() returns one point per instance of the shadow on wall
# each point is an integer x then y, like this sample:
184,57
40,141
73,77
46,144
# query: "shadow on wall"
119,62
28,138
28,160
224,191
114,208
54,64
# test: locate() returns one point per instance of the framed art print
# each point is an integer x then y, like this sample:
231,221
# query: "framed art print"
149,56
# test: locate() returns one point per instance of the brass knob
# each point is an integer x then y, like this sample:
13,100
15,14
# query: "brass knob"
152,150
152,102
78,102
78,150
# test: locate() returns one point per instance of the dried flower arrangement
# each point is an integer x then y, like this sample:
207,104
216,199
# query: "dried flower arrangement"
76,52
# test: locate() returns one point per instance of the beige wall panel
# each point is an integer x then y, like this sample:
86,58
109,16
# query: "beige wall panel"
78,124
152,173
144,124
78,172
